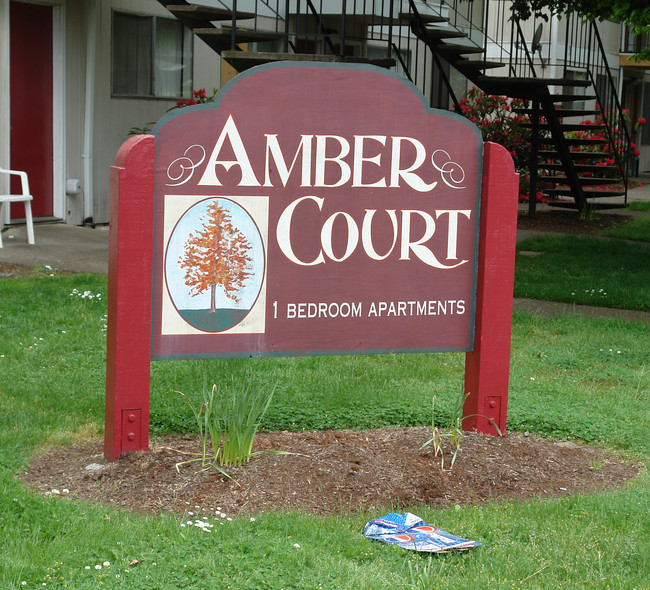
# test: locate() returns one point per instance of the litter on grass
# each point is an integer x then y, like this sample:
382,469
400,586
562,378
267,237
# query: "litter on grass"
409,531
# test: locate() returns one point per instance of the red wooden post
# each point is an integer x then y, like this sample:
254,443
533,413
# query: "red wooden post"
130,263
487,366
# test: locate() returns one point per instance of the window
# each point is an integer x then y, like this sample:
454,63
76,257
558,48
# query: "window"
152,57
634,43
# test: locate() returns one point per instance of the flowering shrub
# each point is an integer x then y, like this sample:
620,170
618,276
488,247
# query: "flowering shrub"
198,97
620,150
495,116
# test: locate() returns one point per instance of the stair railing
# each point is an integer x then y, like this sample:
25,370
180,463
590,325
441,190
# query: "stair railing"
584,51
611,109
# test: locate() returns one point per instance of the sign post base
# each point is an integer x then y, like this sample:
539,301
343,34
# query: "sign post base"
487,366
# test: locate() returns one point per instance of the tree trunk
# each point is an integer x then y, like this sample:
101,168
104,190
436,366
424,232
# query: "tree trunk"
213,298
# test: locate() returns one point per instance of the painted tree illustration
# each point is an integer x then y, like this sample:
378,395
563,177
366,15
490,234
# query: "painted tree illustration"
215,257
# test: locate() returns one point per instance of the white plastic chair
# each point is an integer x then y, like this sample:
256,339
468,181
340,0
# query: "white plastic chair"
24,197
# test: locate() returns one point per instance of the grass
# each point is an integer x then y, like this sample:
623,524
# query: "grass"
636,229
572,377
584,271
639,205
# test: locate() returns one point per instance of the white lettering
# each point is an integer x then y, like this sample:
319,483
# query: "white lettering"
283,232
366,233
231,133
321,159
421,252
407,174
408,243
326,236
359,159
273,151
452,234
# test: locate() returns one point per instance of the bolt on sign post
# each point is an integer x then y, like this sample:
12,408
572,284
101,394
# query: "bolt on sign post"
311,209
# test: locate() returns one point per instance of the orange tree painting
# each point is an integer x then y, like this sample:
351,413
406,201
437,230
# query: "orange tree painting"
216,257
214,267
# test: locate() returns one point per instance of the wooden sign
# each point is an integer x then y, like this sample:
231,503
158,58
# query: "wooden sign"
331,212
313,209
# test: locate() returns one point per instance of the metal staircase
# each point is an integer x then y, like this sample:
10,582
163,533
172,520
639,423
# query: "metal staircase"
579,165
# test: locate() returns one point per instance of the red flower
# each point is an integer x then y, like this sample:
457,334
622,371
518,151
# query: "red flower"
199,93
637,153
641,121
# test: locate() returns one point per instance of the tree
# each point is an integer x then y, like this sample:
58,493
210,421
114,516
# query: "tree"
635,13
216,257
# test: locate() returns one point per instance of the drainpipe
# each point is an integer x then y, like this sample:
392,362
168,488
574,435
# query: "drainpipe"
89,110
621,68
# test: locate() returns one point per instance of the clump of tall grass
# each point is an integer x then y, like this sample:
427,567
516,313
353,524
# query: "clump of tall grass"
228,420
454,430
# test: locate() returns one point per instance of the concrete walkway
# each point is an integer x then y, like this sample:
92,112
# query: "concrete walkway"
66,247
84,249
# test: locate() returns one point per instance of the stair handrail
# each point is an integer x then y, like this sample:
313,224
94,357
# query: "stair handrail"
509,50
529,59
421,25
622,125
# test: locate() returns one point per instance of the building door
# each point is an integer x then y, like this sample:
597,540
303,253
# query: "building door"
31,144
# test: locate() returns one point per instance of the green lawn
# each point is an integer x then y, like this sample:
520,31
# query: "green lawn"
637,228
575,378
639,206
584,271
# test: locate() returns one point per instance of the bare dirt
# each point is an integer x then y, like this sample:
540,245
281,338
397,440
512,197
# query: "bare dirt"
569,222
333,472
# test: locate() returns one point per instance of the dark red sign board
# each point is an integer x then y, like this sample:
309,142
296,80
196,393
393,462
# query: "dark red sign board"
315,209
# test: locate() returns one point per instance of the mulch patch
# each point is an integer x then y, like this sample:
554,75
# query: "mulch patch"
569,222
332,472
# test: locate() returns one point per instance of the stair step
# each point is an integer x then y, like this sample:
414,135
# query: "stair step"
562,113
582,141
567,127
576,155
588,193
223,33
580,168
572,205
582,179
456,49
570,97
525,88
541,81
243,60
438,34
427,19
478,64
205,13
575,141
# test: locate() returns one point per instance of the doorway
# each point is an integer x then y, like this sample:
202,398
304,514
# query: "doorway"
31,100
